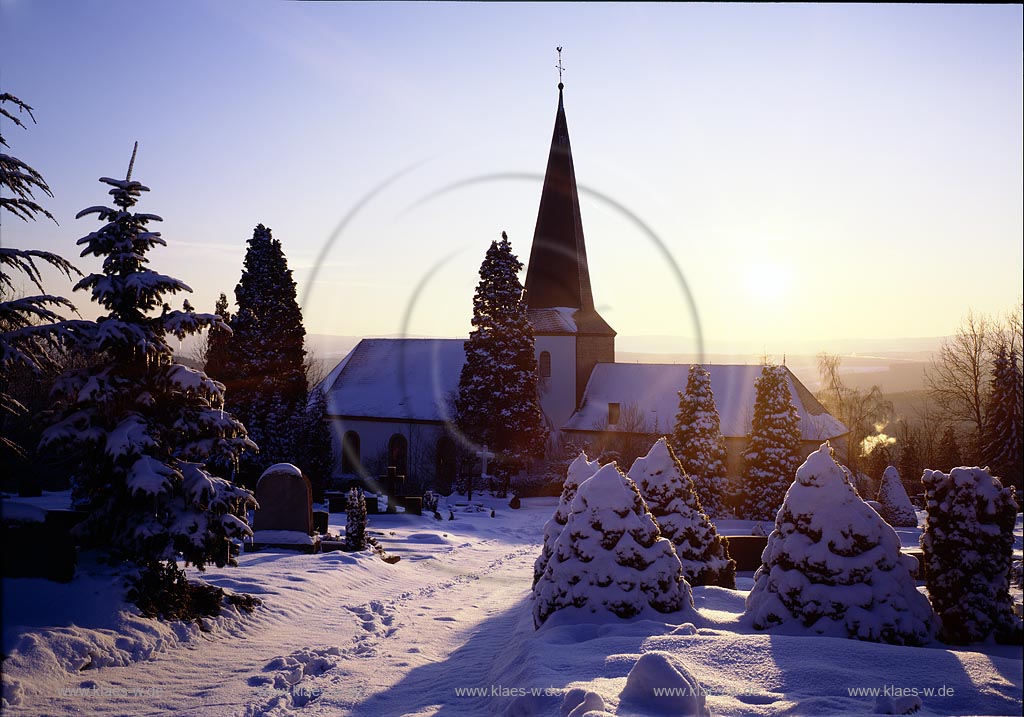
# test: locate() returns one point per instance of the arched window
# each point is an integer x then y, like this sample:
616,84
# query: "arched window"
444,473
398,453
544,363
350,452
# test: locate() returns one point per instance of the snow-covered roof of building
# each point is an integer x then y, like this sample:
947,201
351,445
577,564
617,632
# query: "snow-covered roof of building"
405,379
652,388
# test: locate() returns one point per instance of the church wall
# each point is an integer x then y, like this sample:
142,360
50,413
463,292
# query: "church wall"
374,437
558,392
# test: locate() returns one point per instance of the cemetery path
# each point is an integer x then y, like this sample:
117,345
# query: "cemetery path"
338,634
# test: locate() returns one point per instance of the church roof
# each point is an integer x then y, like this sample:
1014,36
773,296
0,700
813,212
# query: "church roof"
653,388
558,275
401,379
560,320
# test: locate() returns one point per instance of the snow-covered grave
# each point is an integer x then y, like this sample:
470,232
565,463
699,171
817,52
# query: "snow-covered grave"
449,630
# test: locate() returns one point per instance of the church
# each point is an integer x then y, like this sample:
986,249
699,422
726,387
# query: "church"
389,400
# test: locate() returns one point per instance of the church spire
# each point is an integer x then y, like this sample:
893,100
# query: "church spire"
558,274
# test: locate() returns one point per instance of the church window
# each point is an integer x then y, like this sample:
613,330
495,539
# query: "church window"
544,363
398,453
613,414
350,452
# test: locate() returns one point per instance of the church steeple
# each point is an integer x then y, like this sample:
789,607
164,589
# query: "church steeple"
558,275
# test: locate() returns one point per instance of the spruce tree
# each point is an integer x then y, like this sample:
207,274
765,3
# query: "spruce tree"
355,523
611,556
33,327
579,470
949,454
673,502
773,452
897,509
317,447
217,341
835,567
1004,417
141,426
968,550
698,440
497,404
266,376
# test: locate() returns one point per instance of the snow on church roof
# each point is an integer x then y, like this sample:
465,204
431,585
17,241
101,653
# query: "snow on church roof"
653,389
404,379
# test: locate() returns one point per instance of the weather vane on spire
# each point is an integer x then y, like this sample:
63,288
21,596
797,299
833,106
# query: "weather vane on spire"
559,66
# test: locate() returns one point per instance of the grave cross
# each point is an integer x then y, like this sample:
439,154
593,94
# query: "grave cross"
484,455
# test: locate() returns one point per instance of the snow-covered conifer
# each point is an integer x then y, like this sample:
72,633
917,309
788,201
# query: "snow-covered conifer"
579,470
265,374
355,523
217,341
773,451
968,551
317,445
1004,417
611,556
698,442
897,509
31,327
834,566
140,426
670,496
497,404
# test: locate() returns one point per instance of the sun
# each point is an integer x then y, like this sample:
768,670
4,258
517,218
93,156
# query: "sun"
766,280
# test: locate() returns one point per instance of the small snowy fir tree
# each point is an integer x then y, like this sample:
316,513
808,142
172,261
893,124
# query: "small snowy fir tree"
897,509
672,501
1004,416
217,341
968,551
140,426
773,451
834,566
698,442
611,556
31,327
497,404
355,524
265,371
579,470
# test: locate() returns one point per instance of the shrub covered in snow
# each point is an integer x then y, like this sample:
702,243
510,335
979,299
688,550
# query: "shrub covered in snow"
670,496
968,551
139,426
833,565
355,523
773,452
698,442
579,470
896,506
610,555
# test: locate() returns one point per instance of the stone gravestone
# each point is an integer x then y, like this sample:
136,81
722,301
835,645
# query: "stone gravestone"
391,485
285,516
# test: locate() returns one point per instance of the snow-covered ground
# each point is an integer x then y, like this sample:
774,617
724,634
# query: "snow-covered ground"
448,630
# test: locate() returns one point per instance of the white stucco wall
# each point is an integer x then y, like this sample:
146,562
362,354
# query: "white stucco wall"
558,393
374,436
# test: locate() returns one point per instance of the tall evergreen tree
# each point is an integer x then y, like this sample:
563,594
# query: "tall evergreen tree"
266,377
355,520
698,440
316,451
949,453
142,425
1004,417
31,327
773,453
217,341
497,404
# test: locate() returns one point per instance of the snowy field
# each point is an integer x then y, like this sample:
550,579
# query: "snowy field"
448,631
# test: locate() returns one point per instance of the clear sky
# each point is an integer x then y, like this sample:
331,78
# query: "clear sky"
817,172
